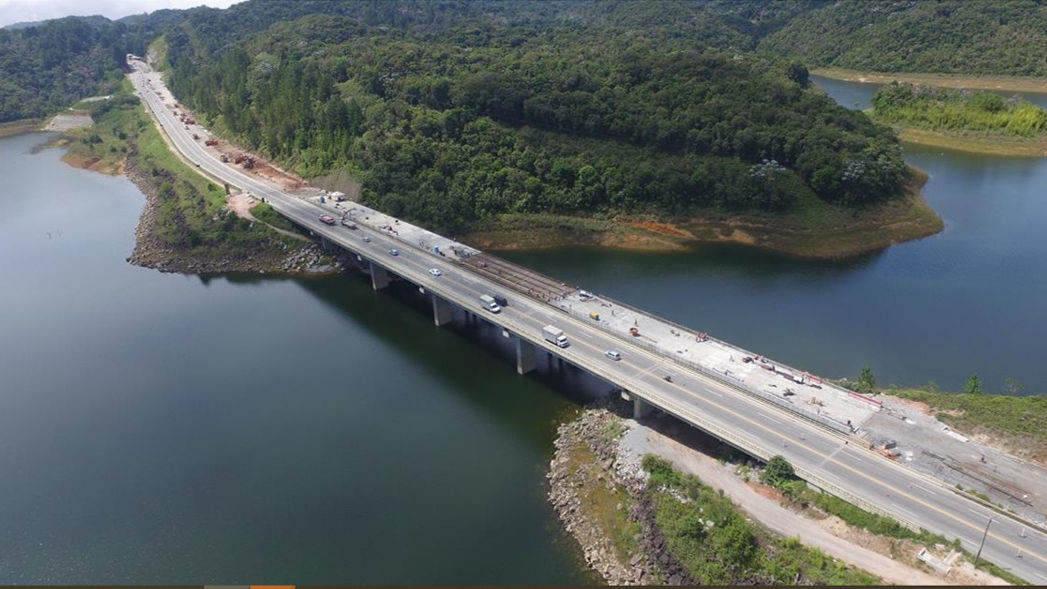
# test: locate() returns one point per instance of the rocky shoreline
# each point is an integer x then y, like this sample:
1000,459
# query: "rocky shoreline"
150,252
650,563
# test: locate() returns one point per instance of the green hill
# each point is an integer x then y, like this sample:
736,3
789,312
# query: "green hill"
576,108
974,37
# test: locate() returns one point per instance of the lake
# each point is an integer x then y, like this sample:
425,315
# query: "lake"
160,428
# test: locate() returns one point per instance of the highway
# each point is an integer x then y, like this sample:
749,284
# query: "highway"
823,457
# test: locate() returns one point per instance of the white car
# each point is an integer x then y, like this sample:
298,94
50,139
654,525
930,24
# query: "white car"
613,355
435,271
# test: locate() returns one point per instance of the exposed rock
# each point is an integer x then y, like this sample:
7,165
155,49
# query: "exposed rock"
653,564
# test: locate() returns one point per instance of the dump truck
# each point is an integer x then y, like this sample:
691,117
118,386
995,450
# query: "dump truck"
554,335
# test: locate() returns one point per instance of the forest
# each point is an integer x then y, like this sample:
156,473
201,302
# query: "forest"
455,122
971,37
458,111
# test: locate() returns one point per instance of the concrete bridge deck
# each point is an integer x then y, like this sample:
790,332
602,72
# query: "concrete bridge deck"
821,455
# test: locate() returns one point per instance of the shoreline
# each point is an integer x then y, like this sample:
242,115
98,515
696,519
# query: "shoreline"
980,144
151,252
999,83
897,221
599,487
20,127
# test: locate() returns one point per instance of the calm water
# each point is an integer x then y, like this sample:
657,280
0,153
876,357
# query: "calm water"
859,96
161,428
972,299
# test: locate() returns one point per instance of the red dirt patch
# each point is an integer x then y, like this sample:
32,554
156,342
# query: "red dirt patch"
666,229
766,490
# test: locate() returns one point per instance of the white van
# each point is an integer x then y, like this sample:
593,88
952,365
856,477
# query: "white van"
490,304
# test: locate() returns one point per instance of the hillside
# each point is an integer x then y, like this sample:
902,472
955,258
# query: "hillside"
47,66
973,37
458,117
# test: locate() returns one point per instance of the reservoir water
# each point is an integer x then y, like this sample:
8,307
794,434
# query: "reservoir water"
160,428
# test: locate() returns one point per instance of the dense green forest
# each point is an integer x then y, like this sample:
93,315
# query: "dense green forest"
943,36
49,66
458,112
943,109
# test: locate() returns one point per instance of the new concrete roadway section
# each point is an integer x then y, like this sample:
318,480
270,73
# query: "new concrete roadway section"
825,458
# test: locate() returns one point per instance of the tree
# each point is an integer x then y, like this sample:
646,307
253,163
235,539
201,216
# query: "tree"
798,73
778,472
866,382
1012,386
973,386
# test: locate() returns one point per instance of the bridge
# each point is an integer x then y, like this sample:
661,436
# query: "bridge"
716,400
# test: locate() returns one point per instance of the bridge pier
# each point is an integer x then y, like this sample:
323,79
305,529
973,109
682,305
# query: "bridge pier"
641,408
379,277
443,312
325,244
525,361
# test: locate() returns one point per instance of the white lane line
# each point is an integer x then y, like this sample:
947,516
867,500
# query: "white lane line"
829,457
922,488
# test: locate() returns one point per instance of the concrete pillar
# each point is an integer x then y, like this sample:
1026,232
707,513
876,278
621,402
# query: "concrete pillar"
443,312
641,408
524,357
379,277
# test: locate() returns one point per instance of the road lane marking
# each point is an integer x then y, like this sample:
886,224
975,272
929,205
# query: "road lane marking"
824,460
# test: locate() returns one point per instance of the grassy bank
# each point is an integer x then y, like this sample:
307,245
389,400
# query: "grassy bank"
976,143
186,223
717,544
1002,83
978,122
18,127
1017,423
805,497
815,229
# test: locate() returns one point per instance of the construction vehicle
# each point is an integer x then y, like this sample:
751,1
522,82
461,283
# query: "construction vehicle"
554,335
211,141
248,163
594,315
224,158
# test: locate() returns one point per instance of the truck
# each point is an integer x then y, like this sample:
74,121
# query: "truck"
490,304
554,335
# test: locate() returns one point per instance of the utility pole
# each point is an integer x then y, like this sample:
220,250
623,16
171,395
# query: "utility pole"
984,534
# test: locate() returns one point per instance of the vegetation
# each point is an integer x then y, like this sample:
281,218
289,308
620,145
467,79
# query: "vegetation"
1014,415
779,474
944,109
866,382
454,122
49,66
947,36
715,542
190,211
